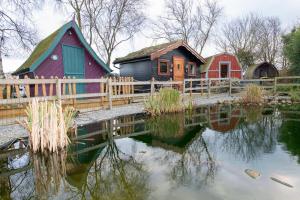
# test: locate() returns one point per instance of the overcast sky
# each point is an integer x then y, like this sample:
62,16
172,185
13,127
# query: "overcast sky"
48,20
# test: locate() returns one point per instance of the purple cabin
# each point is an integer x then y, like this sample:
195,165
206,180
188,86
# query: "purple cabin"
65,53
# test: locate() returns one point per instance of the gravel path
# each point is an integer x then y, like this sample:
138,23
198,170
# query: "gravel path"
10,132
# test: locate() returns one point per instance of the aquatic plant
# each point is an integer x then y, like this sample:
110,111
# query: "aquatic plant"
252,94
165,101
48,125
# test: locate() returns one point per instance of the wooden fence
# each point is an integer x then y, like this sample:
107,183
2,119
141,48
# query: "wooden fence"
18,91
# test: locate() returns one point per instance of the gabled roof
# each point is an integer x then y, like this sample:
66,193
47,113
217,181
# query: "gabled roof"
156,51
47,45
210,59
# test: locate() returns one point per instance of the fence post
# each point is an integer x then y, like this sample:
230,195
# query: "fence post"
1,92
230,84
191,86
58,89
275,84
208,89
183,87
152,89
109,92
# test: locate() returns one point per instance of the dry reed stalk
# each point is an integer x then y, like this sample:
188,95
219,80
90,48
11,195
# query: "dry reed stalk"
48,125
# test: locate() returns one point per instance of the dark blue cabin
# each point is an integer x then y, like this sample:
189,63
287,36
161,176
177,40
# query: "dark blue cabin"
174,60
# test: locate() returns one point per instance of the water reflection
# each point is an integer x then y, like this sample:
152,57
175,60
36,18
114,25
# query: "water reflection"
105,160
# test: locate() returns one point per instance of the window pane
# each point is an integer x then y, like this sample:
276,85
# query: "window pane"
163,67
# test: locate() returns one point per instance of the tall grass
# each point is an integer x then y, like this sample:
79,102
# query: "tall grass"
252,94
48,125
167,100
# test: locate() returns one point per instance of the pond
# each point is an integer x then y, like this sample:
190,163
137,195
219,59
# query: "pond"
199,154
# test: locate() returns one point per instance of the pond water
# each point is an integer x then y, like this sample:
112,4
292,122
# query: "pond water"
194,155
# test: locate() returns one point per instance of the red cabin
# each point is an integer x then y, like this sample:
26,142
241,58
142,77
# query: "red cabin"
223,65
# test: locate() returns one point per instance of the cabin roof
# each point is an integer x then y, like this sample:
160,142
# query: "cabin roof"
45,47
210,59
156,51
250,70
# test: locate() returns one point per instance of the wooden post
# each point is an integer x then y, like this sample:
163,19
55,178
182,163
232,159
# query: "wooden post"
17,88
74,92
64,87
69,86
208,89
152,87
230,83
101,90
191,86
275,84
109,92
1,92
201,85
27,88
44,87
58,88
51,88
183,87
36,88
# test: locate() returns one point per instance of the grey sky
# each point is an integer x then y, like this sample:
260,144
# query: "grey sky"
48,19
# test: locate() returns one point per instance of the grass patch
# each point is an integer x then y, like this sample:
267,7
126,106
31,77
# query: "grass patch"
253,94
166,101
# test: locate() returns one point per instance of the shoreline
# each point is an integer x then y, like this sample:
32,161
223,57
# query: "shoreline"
8,133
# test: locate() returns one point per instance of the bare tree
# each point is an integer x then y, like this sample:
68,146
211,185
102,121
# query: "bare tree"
16,27
118,22
270,40
252,38
188,20
77,6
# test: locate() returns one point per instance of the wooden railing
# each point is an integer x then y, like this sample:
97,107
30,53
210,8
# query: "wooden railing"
15,91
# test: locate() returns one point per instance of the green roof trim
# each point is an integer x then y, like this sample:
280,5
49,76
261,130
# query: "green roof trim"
142,53
47,46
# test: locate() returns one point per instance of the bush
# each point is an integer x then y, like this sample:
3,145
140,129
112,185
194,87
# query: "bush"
295,95
166,101
253,94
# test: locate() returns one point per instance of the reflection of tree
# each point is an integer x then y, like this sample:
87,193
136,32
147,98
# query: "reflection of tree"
115,175
289,130
196,166
253,136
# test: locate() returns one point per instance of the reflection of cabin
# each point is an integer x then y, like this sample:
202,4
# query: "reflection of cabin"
223,65
65,52
171,133
83,153
223,119
174,60
262,70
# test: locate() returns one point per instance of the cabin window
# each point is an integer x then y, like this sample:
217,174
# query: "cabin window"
192,68
163,67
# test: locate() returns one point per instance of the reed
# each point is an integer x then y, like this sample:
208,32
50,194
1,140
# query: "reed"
48,125
166,101
252,94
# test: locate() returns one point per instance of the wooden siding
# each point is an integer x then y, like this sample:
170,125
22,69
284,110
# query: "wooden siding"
50,67
235,70
140,71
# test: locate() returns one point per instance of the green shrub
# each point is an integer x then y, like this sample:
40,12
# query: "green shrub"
167,100
253,94
295,95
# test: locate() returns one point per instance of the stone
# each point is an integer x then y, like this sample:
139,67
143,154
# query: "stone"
252,173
